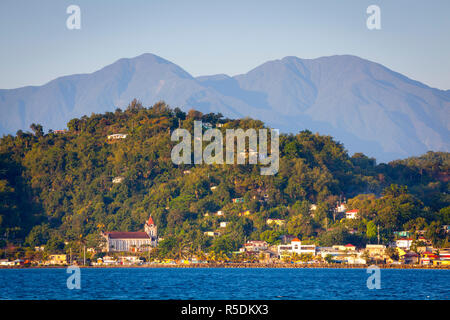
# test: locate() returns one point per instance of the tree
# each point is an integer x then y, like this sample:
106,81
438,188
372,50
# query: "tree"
37,129
371,232
329,258
38,236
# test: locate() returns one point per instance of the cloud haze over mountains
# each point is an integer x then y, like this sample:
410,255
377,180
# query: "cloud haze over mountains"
362,104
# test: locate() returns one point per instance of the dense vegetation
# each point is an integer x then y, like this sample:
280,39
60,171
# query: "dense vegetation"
57,188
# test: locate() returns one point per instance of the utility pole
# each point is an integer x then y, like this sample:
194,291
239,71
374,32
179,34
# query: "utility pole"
84,255
378,236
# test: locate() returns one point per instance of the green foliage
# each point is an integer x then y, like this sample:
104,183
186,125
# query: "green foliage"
59,187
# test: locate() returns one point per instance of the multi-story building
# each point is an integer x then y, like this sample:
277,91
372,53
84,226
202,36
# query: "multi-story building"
254,246
297,247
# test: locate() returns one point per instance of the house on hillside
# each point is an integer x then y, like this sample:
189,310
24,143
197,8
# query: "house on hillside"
238,200
245,213
278,222
117,136
211,233
341,208
116,180
223,224
351,214
404,244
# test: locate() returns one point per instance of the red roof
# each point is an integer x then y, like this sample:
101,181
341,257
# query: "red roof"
295,240
353,211
349,245
127,235
150,221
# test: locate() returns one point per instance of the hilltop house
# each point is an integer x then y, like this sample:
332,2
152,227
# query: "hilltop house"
238,200
117,136
351,214
245,213
341,208
116,180
132,241
211,233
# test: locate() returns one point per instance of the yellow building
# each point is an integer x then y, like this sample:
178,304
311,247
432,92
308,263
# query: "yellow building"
245,213
438,262
57,259
278,222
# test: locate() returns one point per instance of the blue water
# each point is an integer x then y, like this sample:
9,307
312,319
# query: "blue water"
164,283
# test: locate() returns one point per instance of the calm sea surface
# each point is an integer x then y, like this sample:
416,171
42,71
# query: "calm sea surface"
150,283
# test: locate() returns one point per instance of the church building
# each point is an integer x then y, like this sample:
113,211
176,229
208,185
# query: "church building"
132,241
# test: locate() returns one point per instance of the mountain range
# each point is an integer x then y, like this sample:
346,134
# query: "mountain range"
364,105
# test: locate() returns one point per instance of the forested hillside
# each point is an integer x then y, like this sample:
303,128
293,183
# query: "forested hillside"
58,187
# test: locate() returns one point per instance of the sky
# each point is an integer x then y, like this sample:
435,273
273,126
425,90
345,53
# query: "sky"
212,37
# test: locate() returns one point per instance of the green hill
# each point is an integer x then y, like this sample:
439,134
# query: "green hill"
61,187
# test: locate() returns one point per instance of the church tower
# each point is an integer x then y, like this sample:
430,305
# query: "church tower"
151,229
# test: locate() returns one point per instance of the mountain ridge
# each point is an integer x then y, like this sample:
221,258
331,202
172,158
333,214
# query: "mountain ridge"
363,104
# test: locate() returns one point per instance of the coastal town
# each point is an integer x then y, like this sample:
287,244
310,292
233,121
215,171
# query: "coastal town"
138,248
121,201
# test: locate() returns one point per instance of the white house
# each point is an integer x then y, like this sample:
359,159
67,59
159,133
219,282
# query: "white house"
255,246
352,214
296,246
224,224
211,233
118,180
404,243
341,208
117,136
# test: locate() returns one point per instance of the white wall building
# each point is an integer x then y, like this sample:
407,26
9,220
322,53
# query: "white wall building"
404,243
132,241
117,136
255,246
351,214
296,246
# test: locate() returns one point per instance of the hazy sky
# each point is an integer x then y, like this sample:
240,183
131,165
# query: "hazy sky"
209,37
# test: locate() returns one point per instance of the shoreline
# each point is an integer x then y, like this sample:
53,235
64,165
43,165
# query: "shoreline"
241,266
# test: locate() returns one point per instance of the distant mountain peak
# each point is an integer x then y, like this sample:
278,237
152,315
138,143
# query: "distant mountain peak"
363,104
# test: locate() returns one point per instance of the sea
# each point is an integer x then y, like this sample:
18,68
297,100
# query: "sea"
223,284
